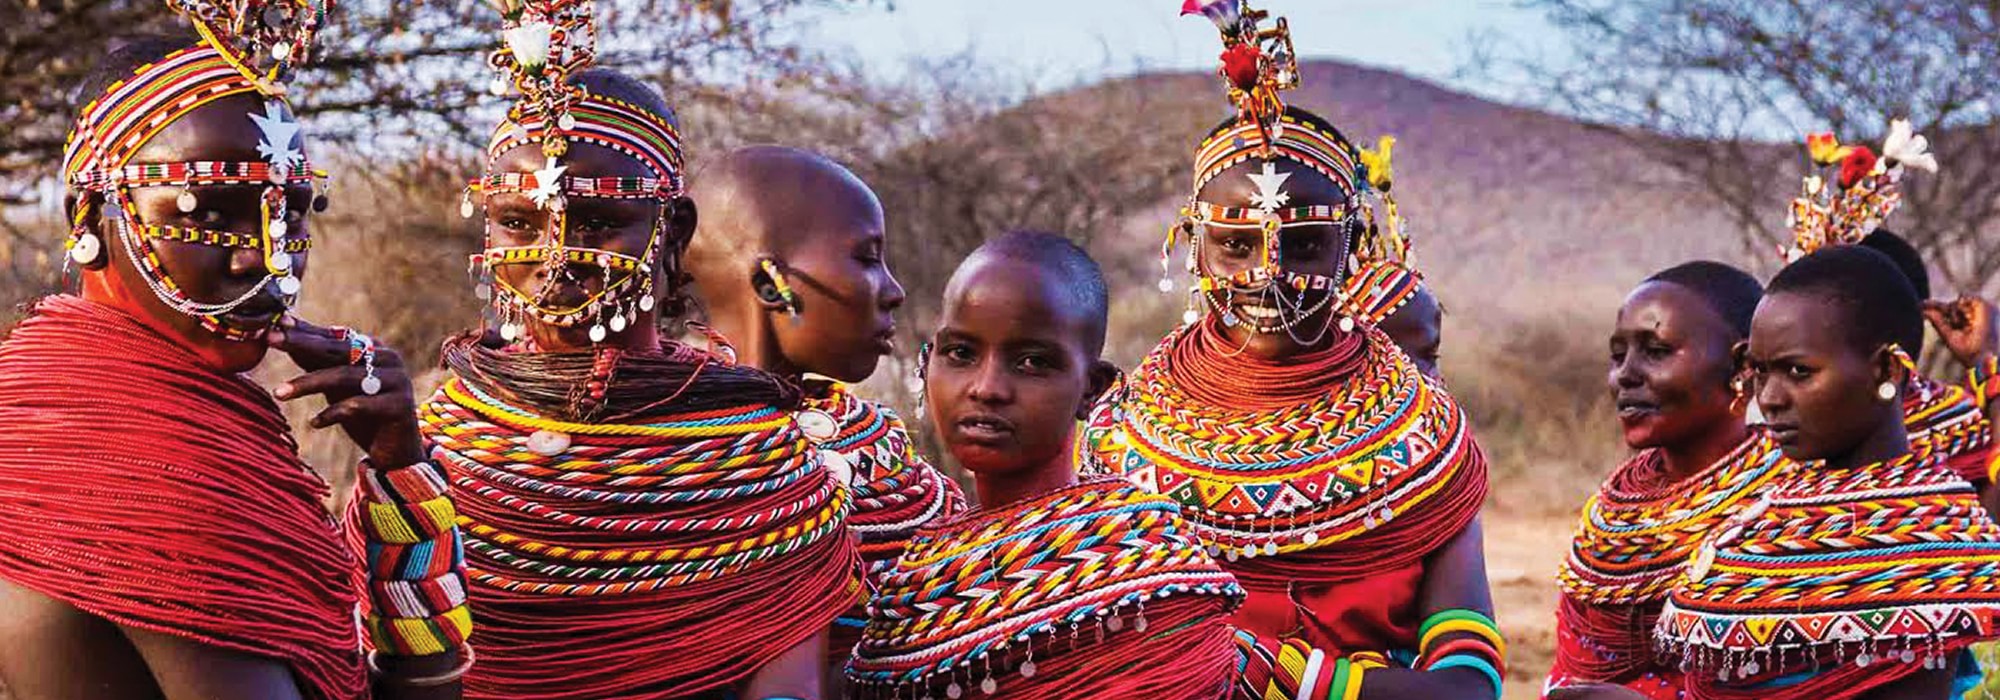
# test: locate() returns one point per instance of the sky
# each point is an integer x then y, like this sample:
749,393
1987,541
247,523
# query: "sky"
1059,43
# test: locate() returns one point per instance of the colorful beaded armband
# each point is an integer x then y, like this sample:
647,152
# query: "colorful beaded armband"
416,562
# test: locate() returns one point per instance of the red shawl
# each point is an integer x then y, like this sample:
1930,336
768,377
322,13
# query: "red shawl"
151,490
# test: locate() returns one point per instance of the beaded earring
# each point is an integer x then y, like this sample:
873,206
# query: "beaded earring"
1887,391
785,296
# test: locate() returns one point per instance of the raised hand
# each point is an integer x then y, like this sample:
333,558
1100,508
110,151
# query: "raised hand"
1966,326
367,388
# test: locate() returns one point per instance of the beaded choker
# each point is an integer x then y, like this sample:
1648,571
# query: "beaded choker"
981,598
1892,562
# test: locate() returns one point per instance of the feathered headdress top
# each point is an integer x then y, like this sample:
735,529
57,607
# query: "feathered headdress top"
1866,187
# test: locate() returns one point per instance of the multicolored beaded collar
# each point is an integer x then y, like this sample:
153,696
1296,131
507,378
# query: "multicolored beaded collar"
1892,562
1383,444
975,598
1637,535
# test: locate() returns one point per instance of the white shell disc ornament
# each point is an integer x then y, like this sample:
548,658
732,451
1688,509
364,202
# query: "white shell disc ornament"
548,443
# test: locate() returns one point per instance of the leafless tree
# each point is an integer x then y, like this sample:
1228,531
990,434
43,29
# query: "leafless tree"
393,71
1726,82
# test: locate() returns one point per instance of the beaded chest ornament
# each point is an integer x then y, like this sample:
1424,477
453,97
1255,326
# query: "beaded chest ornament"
249,47
548,42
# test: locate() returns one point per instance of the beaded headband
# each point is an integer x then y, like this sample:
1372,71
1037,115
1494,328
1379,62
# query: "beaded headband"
548,42
1866,188
115,126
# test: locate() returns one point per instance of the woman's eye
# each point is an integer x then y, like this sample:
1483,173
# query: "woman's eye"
1236,245
958,353
1037,364
514,223
1659,350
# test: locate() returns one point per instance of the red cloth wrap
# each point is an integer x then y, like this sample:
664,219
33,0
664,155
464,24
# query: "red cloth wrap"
145,487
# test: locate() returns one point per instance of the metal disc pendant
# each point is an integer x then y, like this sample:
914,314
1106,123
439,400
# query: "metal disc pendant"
1312,538
1189,317
86,248
499,87
482,292
646,303
509,332
567,122
548,443
1347,324
953,691
989,686
288,285
1250,550
281,262
187,201
1115,624
1270,549
465,208
618,323
1028,669
597,333
279,228
371,385
1166,285
818,425
282,52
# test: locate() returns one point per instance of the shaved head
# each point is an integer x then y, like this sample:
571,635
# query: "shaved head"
820,229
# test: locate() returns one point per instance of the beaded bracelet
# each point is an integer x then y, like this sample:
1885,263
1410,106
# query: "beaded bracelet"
416,562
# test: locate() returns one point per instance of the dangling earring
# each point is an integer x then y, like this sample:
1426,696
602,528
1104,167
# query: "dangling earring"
920,382
1887,391
84,247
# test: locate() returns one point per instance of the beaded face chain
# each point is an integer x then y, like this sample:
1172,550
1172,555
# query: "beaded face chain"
548,42
113,129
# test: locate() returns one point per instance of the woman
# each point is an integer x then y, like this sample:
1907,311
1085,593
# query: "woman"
1681,400
644,518
1339,485
1867,570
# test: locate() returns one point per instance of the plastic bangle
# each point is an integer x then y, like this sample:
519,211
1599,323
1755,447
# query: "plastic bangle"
1471,662
1467,626
1353,691
1477,647
1443,616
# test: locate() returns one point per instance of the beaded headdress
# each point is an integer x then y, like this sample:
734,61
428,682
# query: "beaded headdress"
1382,275
1866,188
1257,65
548,43
247,47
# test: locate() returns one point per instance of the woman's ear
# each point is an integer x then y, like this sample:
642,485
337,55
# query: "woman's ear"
681,222
1892,371
1103,375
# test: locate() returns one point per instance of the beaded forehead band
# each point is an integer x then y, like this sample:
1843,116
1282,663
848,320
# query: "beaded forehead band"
1866,188
548,42
114,127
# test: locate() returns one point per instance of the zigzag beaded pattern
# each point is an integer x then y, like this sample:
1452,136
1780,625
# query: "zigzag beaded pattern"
1945,419
971,589
746,456
1302,478
1631,546
896,490
1377,289
1889,556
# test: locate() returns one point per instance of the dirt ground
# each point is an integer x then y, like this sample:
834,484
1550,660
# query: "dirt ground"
1522,552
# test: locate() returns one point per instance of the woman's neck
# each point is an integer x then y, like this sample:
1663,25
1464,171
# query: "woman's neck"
1890,441
1693,456
1000,490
